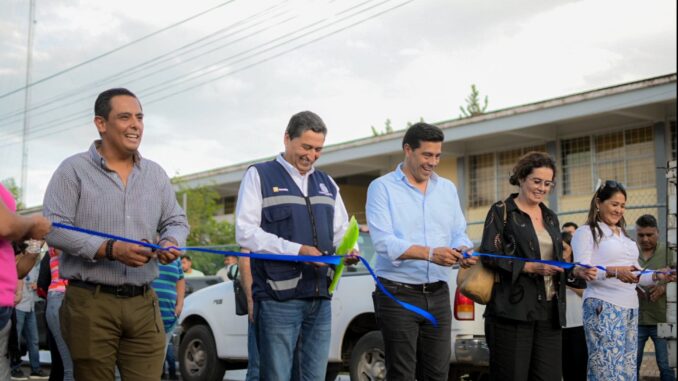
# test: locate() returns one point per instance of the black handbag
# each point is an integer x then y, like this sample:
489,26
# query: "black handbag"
240,296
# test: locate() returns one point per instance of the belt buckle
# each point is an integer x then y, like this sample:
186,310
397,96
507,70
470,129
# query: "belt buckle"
424,288
120,291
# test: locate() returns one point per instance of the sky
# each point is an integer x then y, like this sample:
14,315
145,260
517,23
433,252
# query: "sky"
219,80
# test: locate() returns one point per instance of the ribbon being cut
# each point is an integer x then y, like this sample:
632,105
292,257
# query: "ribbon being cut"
349,241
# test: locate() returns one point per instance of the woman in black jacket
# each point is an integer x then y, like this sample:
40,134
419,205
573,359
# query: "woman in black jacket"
524,317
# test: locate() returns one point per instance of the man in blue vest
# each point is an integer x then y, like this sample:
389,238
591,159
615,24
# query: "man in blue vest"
286,206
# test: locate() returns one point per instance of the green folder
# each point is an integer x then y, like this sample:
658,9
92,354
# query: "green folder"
347,244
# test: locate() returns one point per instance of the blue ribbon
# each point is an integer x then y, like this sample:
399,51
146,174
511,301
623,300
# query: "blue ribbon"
564,265
329,259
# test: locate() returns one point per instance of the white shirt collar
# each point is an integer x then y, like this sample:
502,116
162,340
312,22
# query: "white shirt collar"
292,170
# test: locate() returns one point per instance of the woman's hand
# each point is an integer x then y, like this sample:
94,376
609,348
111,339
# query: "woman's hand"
541,268
624,273
587,274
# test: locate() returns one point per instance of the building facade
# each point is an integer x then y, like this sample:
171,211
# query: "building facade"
625,132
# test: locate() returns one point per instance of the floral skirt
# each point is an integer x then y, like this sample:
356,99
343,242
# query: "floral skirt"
612,341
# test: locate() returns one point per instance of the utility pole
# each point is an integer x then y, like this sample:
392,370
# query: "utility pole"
27,101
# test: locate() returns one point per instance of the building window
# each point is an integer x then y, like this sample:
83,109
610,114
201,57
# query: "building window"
576,165
482,180
626,156
489,175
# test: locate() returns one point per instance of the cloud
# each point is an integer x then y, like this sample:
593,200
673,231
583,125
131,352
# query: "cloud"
416,61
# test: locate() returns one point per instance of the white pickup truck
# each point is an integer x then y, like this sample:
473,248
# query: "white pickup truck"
211,338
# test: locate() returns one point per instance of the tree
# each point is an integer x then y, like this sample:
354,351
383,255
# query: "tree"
387,129
410,124
473,107
201,207
15,190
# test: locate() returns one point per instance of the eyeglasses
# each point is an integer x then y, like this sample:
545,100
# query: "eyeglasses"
538,182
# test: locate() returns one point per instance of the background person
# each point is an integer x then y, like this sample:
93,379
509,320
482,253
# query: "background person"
12,227
187,267
27,326
652,299
610,300
170,286
574,354
524,317
569,227
245,279
419,231
225,272
110,313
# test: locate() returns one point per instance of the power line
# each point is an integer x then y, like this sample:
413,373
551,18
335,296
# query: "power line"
45,131
184,78
142,66
64,71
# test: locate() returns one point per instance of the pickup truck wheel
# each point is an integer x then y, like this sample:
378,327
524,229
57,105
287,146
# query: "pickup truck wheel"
198,359
367,358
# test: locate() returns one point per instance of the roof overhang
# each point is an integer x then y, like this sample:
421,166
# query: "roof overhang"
649,101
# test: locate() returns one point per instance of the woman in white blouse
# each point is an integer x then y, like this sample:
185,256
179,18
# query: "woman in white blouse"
610,301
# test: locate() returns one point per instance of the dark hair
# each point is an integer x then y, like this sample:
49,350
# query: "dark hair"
528,162
304,121
422,132
646,221
102,106
608,189
568,224
566,237
186,257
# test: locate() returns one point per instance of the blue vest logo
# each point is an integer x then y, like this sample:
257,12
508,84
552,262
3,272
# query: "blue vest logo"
323,190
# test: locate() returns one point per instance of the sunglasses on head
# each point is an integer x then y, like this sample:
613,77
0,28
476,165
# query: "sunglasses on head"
611,184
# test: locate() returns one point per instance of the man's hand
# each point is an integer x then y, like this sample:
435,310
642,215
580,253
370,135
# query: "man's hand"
656,292
541,268
666,275
468,259
352,258
132,254
311,251
585,273
169,255
445,256
40,226
178,308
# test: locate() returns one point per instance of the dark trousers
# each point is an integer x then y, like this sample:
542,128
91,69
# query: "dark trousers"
522,351
415,349
575,354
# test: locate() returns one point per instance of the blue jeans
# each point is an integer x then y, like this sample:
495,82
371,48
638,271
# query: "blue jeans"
28,325
283,328
252,353
660,350
54,300
170,360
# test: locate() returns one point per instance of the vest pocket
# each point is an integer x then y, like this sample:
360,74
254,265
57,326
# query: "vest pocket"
282,278
278,220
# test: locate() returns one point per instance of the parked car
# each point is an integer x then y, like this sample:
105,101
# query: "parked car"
196,283
211,338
